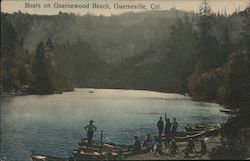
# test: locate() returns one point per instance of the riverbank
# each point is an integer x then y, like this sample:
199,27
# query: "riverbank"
108,151
24,93
212,142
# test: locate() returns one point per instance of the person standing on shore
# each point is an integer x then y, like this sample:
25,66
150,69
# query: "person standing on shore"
90,132
160,126
167,127
174,127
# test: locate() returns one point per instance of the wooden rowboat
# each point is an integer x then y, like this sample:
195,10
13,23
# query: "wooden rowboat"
115,149
229,111
207,132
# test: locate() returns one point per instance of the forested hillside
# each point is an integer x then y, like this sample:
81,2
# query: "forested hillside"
114,37
154,50
24,71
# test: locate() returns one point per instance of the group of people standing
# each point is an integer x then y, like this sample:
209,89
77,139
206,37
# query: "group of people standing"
149,142
170,131
170,127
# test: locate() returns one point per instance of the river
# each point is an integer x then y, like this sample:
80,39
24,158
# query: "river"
53,124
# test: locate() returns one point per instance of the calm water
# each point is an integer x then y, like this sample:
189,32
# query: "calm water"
53,124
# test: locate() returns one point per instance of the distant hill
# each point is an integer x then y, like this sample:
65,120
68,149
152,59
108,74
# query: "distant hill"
131,50
112,38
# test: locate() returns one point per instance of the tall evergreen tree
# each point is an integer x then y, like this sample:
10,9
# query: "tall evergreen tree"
42,82
181,48
206,46
23,65
226,47
245,35
9,41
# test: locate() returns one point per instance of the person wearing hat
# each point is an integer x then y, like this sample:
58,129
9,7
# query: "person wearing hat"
160,126
90,132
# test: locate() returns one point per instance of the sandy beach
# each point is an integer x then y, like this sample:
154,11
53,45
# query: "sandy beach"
211,142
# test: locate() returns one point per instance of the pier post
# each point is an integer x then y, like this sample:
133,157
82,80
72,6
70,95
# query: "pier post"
101,140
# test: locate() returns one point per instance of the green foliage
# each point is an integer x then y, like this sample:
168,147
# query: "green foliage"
204,86
21,71
84,51
112,38
161,47
229,84
41,70
207,45
14,59
181,55
236,86
8,52
231,87
245,35
217,77
47,78
80,64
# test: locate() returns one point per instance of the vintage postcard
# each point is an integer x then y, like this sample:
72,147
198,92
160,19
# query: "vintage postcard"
125,80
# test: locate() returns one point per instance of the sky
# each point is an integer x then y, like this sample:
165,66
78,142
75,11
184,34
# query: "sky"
11,6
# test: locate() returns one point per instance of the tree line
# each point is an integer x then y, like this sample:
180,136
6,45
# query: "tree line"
24,72
222,74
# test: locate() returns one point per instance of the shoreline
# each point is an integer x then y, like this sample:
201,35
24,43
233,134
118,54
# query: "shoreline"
182,96
7,94
212,143
95,92
18,93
